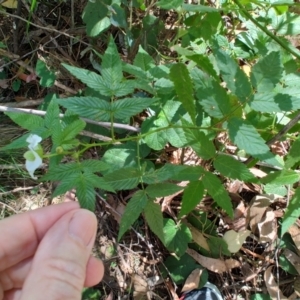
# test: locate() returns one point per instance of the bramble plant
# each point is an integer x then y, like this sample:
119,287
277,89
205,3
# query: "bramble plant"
189,101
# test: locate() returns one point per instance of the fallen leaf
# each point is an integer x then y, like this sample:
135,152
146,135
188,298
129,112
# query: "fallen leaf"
272,287
10,4
140,287
110,296
235,239
192,282
198,237
213,264
294,231
4,83
258,173
267,227
293,258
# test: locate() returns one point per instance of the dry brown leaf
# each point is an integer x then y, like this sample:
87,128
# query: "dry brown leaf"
294,231
267,227
198,237
258,173
258,207
272,286
235,239
297,286
213,264
10,4
4,83
293,258
140,287
192,282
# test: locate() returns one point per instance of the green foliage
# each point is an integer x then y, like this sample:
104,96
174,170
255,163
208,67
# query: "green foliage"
244,88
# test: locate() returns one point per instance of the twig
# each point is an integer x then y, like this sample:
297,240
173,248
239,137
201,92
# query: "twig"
16,190
26,103
43,113
5,205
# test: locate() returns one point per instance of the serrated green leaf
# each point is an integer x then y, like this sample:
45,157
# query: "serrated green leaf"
17,143
91,79
134,70
189,173
128,107
200,143
111,66
204,63
169,4
154,219
66,184
236,80
143,60
93,165
245,136
93,15
133,209
214,100
124,179
176,236
69,132
85,192
159,175
217,191
162,189
283,177
293,155
118,17
26,121
230,167
58,173
192,196
88,107
266,73
97,182
292,212
179,74
52,115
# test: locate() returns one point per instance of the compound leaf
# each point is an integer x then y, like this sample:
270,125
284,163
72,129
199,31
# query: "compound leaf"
162,189
26,121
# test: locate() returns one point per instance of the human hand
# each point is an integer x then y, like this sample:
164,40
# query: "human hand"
45,254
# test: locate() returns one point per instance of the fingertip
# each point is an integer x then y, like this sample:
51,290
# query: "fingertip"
94,272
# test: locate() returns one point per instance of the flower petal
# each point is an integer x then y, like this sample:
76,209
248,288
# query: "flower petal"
33,140
32,165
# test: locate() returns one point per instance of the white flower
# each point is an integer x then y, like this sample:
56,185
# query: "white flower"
33,156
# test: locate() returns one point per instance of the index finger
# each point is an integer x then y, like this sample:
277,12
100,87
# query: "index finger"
20,234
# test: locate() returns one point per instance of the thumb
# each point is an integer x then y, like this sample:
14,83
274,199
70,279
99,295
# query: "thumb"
59,266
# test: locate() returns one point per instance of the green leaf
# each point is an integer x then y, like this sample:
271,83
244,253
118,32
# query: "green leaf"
159,175
283,177
52,115
154,219
133,209
198,8
179,74
162,189
26,121
232,168
257,296
58,173
192,196
236,80
292,212
245,136
93,15
217,191
93,165
143,60
169,4
128,107
66,184
189,173
88,107
124,179
293,155
180,268
214,100
47,77
17,143
118,17
85,192
266,73
111,66
91,79
69,132
200,143
176,236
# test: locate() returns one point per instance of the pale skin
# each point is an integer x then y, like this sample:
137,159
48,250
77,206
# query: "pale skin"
46,253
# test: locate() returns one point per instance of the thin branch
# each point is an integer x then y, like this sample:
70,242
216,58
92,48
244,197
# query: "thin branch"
43,113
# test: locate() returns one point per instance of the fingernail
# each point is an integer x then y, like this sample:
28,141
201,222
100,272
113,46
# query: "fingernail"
83,226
